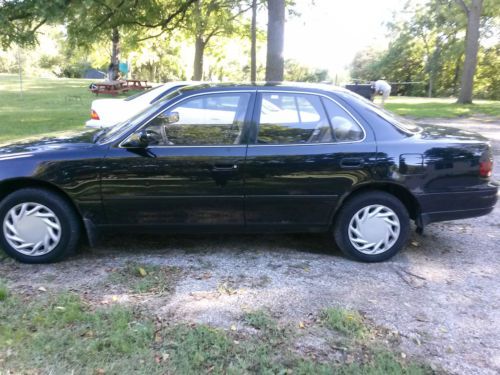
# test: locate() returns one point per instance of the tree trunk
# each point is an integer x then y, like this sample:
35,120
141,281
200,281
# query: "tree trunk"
253,48
115,51
275,63
198,59
473,13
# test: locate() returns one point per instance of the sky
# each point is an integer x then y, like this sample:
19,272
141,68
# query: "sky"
329,33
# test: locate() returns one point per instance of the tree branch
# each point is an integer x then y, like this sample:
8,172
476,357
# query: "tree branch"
463,6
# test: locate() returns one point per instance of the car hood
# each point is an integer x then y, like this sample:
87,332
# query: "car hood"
450,134
63,141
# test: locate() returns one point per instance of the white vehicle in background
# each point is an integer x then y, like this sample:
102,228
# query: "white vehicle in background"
108,112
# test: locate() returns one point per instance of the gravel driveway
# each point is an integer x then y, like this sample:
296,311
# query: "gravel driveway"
441,294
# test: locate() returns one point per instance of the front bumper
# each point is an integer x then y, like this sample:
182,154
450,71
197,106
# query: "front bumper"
456,205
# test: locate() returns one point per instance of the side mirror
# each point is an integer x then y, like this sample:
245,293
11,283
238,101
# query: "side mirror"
141,139
169,118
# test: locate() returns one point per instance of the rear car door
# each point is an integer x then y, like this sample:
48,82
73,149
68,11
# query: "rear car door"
306,153
191,172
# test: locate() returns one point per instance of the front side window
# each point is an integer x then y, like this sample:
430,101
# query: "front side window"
211,119
292,119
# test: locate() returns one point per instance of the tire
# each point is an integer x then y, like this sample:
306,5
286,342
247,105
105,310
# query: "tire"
372,238
38,221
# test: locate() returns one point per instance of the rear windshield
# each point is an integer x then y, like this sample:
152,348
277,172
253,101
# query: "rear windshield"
406,125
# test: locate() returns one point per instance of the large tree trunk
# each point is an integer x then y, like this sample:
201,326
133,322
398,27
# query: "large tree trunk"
198,59
253,48
115,51
473,12
275,63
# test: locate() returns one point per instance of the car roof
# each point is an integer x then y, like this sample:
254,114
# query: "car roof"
281,86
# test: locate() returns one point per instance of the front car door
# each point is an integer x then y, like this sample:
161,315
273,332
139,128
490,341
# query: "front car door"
191,172
306,153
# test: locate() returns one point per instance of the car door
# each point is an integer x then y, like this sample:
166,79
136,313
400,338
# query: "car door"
191,172
306,153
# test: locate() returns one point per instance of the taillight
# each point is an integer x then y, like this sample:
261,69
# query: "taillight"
485,168
94,115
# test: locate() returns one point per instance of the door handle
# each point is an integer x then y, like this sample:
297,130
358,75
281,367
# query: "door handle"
351,162
225,167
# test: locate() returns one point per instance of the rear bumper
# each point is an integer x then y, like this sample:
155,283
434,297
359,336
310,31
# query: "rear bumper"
456,205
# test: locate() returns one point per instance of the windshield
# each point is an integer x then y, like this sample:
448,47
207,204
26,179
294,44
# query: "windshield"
404,124
124,127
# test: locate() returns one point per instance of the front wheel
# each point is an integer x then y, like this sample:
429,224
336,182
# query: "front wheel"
372,227
38,226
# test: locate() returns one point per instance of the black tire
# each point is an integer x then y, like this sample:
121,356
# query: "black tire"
65,213
357,203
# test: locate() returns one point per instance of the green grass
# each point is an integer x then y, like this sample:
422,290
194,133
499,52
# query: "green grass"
4,292
46,106
440,107
348,322
145,278
61,334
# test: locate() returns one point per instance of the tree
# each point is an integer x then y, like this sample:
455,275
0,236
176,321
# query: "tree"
213,18
88,21
275,62
473,13
253,43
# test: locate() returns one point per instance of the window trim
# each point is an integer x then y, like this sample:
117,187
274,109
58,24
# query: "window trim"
246,123
259,106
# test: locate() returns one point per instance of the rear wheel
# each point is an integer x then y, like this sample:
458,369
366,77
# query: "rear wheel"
372,226
38,226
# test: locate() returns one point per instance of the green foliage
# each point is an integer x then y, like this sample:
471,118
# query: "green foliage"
428,49
296,72
350,323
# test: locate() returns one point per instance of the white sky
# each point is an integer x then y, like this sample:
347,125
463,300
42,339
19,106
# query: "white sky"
329,33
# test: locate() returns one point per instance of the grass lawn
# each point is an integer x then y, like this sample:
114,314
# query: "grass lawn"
52,105
439,107
63,333
46,106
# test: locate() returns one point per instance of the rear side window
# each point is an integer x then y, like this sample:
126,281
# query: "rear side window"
345,129
292,119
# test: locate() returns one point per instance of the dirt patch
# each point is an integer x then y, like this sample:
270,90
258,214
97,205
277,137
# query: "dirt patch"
440,296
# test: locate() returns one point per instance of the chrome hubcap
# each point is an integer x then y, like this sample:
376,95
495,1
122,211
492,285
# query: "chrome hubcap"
374,229
32,229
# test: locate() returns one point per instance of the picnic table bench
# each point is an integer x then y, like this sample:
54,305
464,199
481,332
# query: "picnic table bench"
109,87
138,84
